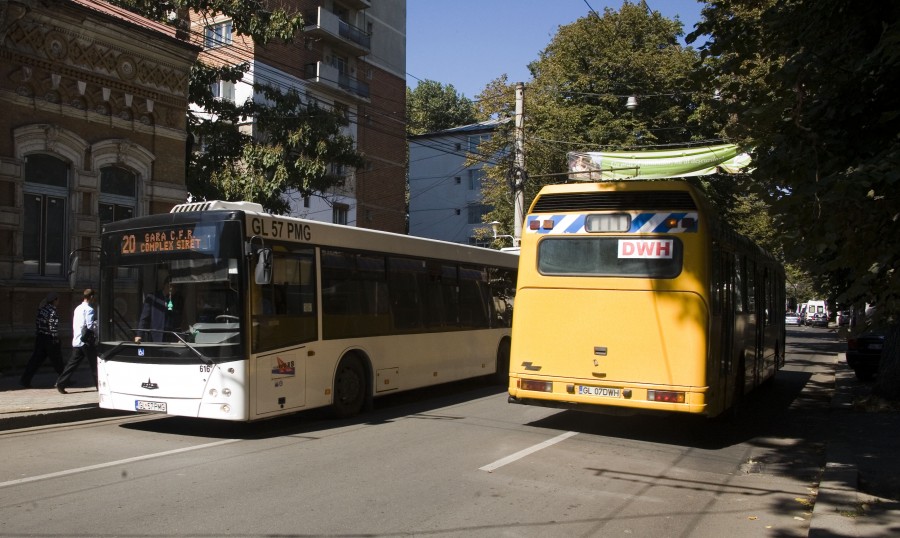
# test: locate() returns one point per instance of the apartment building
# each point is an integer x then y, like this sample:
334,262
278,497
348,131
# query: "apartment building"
350,57
445,199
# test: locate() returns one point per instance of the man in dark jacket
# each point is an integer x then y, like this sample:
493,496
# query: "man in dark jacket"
46,340
160,315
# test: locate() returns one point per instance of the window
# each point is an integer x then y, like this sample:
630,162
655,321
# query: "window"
477,212
475,140
611,256
286,313
340,63
475,179
339,213
223,90
118,192
45,228
218,35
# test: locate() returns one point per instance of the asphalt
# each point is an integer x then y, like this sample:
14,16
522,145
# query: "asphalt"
858,493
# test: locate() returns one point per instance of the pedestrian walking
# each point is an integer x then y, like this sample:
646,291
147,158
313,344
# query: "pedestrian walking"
84,341
46,340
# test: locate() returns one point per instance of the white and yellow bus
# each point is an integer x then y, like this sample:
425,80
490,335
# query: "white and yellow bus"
633,297
266,315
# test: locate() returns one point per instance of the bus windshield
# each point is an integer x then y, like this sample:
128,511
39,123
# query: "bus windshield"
173,287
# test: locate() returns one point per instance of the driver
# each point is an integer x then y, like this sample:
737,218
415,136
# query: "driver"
160,315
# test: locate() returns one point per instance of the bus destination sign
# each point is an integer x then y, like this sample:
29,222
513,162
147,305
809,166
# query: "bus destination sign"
162,241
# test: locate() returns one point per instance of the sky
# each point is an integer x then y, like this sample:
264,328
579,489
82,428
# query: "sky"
468,43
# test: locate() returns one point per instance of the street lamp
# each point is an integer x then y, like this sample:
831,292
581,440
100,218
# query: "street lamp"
495,226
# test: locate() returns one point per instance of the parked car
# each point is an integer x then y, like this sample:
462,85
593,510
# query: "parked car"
817,320
842,318
791,318
864,353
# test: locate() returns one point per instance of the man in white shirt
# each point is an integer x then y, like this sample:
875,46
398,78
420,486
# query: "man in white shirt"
84,325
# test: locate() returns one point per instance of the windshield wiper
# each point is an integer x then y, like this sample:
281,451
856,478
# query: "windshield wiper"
206,360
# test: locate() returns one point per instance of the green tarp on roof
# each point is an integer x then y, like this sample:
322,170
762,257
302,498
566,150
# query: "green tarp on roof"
684,162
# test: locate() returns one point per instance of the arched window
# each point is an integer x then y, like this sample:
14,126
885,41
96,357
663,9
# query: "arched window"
118,192
45,227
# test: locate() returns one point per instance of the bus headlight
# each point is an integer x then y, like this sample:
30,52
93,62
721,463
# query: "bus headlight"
213,392
226,392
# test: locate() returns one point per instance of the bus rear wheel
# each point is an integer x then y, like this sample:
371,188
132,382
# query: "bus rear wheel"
349,388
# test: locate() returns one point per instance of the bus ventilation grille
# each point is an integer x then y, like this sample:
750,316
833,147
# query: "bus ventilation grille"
217,204
615,201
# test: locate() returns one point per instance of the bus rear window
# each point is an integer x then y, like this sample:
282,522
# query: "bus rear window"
619,256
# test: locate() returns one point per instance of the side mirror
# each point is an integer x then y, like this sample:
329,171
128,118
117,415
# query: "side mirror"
263,272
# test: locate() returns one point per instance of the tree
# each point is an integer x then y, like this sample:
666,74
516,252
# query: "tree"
576,98
432,106
302,147
811,86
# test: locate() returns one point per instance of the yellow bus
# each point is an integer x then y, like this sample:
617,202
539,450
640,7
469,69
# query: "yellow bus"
218,310
633,296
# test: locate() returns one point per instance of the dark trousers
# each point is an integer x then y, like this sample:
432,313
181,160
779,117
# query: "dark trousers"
78,355
44,347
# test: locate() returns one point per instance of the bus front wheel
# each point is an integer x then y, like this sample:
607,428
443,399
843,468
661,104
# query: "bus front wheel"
349,388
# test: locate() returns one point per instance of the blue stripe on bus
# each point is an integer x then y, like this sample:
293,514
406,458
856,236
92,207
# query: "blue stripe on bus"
576,226
639,220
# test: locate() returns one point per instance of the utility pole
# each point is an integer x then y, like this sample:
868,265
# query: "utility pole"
519,174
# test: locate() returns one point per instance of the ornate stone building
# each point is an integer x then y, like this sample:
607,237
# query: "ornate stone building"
92,130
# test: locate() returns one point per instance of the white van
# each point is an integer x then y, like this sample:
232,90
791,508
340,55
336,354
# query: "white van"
816,313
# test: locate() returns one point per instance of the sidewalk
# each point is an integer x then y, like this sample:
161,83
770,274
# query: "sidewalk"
43,404
862,461
861,453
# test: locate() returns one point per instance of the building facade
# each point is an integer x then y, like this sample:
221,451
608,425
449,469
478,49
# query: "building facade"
93,130
351,57
445,199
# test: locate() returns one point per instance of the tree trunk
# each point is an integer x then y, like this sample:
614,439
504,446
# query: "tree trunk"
888,384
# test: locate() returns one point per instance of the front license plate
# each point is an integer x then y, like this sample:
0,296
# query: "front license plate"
876,346
150,407
606,392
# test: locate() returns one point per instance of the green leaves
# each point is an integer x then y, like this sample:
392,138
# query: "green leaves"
299,147
431,107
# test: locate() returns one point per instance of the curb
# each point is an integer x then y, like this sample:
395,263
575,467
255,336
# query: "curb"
16,421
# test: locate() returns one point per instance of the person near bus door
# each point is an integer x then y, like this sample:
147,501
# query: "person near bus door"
84,340
46,340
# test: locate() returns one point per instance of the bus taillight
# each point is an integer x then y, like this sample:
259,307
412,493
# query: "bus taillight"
665,396
531,384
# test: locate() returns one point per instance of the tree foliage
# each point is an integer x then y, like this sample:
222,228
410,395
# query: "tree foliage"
432,106
299,144
811,86
576,98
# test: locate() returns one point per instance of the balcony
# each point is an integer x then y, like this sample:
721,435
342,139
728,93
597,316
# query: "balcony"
328,78
358,4
326,25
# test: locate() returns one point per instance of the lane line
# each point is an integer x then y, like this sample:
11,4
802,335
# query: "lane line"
114,463
525,452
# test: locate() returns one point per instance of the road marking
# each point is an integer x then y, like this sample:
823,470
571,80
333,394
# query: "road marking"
114,463
530,450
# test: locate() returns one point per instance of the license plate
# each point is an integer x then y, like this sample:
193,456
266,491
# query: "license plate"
150,407
876,346
606,392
